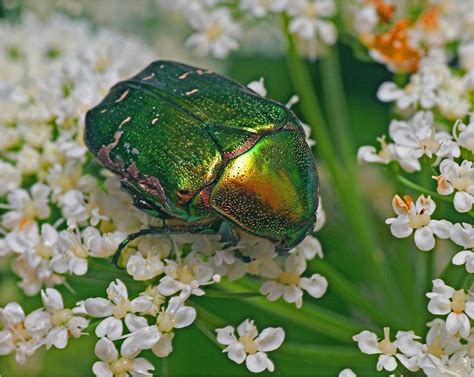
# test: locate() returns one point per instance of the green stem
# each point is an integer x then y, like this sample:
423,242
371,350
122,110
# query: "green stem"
350,293
310,316
336,106
214,293
346,185
325,355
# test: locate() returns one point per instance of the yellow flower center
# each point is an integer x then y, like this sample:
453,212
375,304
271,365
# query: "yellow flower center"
461,184
121,366
165,322
310,10
61,317
44,251
419,221
79,251
430,144
386,346
289,278
214,31
184,274
435,347
122,309
249,345
458,301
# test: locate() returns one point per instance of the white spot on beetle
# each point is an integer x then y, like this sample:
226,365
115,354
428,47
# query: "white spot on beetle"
184,75
191,92
123,96
148,77
103,111
135,151
126,120
154,120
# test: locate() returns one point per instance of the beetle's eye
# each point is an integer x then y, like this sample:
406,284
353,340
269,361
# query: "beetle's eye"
265,190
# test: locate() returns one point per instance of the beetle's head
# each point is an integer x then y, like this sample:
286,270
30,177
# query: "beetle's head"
271,190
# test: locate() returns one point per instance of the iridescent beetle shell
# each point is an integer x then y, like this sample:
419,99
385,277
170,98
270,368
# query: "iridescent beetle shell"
195,146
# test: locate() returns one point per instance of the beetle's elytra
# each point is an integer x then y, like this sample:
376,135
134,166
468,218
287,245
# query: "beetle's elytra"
195,146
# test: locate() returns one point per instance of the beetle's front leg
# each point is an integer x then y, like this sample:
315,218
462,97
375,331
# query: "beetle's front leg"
134,236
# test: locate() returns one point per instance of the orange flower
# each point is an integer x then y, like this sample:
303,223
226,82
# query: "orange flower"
394,48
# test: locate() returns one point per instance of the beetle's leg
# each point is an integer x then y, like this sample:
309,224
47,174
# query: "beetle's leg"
132,237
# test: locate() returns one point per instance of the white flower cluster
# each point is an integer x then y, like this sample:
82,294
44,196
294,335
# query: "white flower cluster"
219,25
447,350
59,212
433,133
49,326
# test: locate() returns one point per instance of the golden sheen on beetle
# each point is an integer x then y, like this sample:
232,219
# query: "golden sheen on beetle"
204,153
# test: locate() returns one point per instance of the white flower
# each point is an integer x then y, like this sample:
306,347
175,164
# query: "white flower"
64,322
113,365
251,347
25,208
464,134
21,334
176,316
102,245
186,276
432,86
460,178
458,305
258,87
287,282
72,254
347,373
217,33
114,309
419,137
417,216
309,20
10,177
463,235
367,154
368,343
260,8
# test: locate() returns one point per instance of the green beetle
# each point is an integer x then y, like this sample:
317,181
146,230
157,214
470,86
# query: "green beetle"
200,150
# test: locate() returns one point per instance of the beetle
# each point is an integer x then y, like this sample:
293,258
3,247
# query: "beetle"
201,151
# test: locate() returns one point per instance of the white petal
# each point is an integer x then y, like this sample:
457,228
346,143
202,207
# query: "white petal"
12,314
236,352
135,322
143,339
164,346
226,335
257,363
247,328
441,228
52,300
98,307
463,201
400,227
184,317
142,367
105,350
270,339
424,238
386,362
110,327
117,291
101,369
316,286
367,342
168,286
